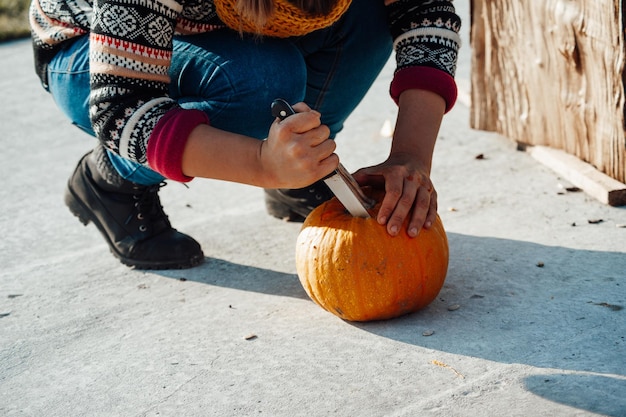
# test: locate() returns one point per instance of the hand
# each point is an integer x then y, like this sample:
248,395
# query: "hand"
298,150
405,175
408,193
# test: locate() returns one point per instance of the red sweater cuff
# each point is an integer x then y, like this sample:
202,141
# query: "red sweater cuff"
168,139
425,78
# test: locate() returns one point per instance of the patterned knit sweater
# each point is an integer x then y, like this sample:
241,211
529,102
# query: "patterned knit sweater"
131,49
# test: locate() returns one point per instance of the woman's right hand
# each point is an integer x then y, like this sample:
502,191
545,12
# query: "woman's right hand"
298,151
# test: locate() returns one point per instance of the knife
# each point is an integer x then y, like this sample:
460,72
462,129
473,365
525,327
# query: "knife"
340,182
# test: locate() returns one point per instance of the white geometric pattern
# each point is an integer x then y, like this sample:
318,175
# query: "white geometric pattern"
123,22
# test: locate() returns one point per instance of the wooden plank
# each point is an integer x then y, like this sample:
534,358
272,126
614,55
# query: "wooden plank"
549,73
581,174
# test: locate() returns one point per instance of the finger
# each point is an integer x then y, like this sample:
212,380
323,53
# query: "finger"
393,191
398,200
318,161
369,176
318,135
302,107
432,211
301,122
300,149
402,208
327,165
325,148
420,211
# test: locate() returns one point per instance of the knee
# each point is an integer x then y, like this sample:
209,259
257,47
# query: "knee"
276,72
236,70
239,83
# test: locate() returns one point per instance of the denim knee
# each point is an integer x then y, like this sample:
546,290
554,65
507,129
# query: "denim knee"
235,79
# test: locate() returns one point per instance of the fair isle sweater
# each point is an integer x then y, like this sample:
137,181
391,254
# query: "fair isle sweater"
131,49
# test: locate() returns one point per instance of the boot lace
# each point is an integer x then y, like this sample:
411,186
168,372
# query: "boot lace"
147,208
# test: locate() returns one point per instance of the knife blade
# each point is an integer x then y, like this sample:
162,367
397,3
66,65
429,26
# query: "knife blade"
340,181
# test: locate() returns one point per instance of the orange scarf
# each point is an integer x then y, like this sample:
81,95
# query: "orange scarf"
287,20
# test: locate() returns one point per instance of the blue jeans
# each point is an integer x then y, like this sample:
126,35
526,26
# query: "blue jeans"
234,79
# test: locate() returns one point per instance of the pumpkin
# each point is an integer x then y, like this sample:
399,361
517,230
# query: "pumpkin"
353,268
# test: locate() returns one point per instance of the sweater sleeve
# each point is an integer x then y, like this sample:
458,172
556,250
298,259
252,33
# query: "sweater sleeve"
426,42
165,149
130,55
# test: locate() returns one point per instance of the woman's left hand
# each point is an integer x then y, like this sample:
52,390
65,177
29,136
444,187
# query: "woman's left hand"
409,192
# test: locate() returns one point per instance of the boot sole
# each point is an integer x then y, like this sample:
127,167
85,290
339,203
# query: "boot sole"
82,212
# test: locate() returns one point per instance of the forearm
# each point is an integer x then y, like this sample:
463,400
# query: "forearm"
296,153
221,155
419,119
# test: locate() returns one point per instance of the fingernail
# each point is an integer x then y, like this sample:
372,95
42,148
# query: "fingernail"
393,230
428,224
413,232
382,220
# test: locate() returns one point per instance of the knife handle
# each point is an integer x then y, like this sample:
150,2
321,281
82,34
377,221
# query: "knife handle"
281,109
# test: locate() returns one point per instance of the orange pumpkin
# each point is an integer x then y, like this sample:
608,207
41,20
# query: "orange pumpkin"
351,267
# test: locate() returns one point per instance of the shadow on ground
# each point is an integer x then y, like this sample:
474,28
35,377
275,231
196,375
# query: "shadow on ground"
519,302
227,274
585,392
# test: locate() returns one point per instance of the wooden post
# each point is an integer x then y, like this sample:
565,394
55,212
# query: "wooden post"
551,73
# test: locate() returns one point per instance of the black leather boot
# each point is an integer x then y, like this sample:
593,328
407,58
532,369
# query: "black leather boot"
129,216
294,205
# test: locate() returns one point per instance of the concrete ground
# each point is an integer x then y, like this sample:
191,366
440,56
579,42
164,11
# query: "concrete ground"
540,330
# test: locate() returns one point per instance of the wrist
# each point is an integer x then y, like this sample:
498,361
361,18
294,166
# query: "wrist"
265,174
